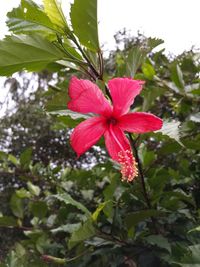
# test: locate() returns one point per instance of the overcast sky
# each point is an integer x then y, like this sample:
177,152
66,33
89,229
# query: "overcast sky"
175,21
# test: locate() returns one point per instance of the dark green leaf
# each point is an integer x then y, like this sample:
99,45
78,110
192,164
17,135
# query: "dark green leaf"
67,199
25,158
135,217
84,23
8,221
84,232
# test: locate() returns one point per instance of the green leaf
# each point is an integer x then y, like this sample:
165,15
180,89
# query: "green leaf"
8,221
84,22
100,207
84,232
39,209
159,241
69,228
32,53
74,115
154,42
171,129
29,18
13,159
25,158
67,199
33,189
134,60
177,76
148,71
17,206
134,218
54,11
196,229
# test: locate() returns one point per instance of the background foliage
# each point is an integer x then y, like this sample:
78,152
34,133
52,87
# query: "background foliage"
57,210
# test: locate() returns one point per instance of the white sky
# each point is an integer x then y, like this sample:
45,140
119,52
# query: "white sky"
177,22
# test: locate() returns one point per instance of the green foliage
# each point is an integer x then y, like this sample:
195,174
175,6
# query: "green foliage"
85,23
26,52
60,210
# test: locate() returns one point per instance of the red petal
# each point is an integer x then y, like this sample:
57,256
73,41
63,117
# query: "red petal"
87,133
119,148
116,141
140,122
123,92
86,97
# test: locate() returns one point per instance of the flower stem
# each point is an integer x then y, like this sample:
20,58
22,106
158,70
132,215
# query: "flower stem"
145,194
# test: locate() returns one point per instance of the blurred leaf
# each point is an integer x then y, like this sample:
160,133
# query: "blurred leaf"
195,117
20,52
34,189
74,115
85,231
13,159
17,206
67,199
54,11
171,129
134,60
25,158
39,209
154,42
69,228
100,207
84,23
8,221
134,218
159,241
148,70
177,76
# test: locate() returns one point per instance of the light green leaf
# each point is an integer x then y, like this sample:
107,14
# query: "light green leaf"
100,207
84,232
54,11
196,229
171,129
69,228
26,52
159,241
13,159
74,115
134,60
67,199
34,189
84,23
29,18
148,71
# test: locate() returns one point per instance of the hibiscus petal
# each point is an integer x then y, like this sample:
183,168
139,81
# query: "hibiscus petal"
116,141
123,92
140,122
119,148
86,97
87,133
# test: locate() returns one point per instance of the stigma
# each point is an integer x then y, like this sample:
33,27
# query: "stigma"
128,165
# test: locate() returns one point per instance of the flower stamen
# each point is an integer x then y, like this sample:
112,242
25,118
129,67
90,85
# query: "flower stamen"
128,165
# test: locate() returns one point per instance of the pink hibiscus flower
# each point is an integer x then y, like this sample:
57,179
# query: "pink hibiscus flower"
110,121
